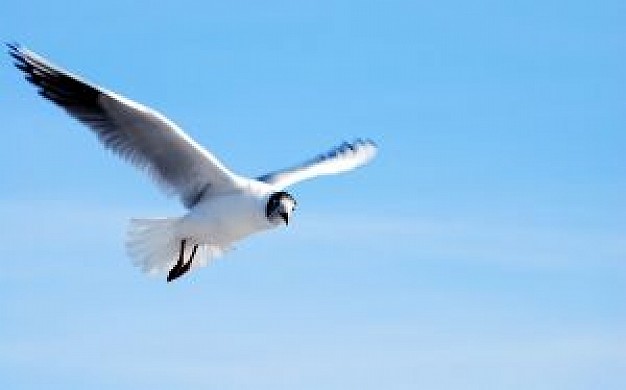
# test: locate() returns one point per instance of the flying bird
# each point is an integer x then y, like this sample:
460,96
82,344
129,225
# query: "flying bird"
222,206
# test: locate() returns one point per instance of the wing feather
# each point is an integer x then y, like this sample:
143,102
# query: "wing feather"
137,133
342,158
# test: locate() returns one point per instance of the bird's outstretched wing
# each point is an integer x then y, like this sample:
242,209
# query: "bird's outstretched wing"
137,133
342,158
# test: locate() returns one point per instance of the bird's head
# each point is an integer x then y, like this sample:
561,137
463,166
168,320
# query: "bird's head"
280,206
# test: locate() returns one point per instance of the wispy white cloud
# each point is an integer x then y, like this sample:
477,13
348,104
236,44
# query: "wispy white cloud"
55,223
42,238
435,346
470,239
370,357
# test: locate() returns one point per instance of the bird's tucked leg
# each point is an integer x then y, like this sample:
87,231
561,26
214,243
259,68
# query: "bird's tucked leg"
180,268
187,266
181,255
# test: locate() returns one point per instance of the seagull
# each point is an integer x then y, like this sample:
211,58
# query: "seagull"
222,207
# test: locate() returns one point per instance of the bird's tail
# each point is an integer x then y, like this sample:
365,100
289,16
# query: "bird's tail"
154,246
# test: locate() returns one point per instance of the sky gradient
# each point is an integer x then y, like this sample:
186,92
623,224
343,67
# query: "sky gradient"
484,248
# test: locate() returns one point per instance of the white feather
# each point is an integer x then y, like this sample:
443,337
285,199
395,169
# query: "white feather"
343,158
154,247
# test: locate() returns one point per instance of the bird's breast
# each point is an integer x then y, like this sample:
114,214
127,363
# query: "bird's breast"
223,220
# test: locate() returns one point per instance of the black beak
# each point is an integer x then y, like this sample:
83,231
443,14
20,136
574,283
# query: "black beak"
285,218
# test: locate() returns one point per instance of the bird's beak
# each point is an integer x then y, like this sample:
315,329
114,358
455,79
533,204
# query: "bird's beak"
285,218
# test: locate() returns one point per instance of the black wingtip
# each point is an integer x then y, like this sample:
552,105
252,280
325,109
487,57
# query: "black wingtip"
364,142
15,51
371,142
14,47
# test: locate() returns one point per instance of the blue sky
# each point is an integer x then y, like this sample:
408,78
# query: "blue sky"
483,249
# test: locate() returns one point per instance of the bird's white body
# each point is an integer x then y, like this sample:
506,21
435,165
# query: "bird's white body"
215,224
223,207
223,219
